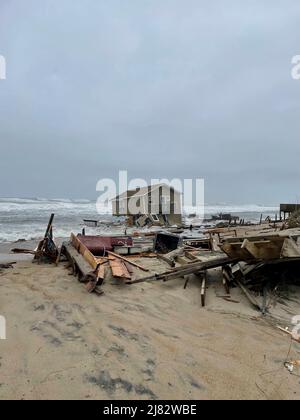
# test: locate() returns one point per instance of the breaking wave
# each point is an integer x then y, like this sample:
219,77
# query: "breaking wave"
26,218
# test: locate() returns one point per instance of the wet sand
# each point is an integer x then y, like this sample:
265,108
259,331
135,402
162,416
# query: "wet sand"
144,341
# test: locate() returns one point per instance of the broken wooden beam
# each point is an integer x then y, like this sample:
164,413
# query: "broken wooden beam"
75,258
189,269
249,296
171,256
226,278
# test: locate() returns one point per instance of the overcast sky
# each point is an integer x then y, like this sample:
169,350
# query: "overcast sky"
162,88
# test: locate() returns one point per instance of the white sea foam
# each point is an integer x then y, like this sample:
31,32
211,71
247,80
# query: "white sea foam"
27,218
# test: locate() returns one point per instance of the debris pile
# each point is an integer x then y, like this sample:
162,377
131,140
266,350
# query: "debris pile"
259,265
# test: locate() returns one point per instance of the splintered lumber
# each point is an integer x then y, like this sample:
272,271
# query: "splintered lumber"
226,278
264,249
101,271
250,297
182,261
191,256
166,260
76,258
48,235
271,269
58,256
127,260
290,249
191,268
119,269
235,250
171,256
84,251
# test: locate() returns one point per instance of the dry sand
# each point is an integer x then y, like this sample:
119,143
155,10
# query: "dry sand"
144,341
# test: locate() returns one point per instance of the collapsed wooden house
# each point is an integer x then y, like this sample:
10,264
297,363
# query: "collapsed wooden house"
156,205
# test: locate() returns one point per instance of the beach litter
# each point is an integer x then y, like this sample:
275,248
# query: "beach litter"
291,365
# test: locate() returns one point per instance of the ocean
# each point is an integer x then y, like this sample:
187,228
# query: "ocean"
23,218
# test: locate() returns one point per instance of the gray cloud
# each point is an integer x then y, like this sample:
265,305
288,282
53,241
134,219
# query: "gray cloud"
167,88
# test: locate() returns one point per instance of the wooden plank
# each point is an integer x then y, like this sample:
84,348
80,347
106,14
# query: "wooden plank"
73,255
226,279
189,269
127,260
235,250
250,297
290,249
265,249
170,257
167,260
42,244
182,261
241,239
101,271
119,269
191,256
58,256
84,251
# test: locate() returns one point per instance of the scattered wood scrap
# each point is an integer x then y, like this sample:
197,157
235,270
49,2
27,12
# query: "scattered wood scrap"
249,296
127,260
119,269
262,247
185,270
171,257
47,250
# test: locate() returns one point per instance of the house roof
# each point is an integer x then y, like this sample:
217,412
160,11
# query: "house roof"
142,191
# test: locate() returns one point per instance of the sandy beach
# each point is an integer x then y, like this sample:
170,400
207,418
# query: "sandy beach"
144,341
